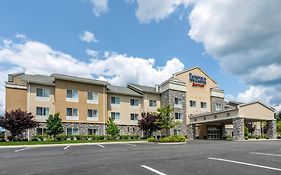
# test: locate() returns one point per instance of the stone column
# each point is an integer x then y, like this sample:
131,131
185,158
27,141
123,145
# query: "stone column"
238,128
191,132
223,131
271,132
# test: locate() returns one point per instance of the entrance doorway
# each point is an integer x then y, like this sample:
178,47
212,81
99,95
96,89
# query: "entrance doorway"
213,133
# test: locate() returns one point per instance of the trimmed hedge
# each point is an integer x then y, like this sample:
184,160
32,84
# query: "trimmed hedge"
174,138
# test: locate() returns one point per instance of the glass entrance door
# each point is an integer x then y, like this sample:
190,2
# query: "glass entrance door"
213,133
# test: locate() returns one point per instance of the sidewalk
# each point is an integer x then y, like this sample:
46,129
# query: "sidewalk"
71,144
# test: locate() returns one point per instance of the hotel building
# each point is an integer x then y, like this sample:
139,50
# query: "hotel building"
86,104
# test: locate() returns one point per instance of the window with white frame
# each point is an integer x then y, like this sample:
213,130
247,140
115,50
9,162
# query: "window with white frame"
134,117
178,103
115,115
42,111
72,131
92,97
115,100
192,103
40,131
134,102
218,106
42,93
178,116
152,103
71,113
203,105
71,95
92,131
92,114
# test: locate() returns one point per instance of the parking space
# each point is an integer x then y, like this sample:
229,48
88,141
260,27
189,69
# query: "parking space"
196,157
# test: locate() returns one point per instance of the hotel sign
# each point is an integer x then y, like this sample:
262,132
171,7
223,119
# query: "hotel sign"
197,80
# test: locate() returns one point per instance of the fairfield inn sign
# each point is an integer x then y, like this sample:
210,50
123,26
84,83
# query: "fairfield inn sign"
197,80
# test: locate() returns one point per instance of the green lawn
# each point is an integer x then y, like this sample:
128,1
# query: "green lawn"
61,142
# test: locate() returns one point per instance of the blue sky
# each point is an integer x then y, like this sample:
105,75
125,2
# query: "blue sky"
131,30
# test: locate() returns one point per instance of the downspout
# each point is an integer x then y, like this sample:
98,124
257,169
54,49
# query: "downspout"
104,108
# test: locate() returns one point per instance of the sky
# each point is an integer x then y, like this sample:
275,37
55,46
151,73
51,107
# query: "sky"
236,42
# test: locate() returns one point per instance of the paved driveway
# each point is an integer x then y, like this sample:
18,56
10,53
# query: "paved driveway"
195,157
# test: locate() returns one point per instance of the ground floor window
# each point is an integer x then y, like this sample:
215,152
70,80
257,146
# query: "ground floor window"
40,131
177,131
72,131
92,131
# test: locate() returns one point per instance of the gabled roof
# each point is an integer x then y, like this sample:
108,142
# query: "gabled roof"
246,104
190,69
122,90
143,89
79,79
173,80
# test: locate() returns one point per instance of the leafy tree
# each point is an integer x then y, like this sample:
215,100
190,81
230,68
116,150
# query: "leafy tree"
279,126
165,120
148,123
54,125
111,128
17,121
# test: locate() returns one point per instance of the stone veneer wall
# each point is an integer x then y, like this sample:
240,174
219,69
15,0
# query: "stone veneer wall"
129,129
271,132
238,128
168,98
218,100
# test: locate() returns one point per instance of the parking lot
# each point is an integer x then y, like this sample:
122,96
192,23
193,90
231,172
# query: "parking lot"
194,157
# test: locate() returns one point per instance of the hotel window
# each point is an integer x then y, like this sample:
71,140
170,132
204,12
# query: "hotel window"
40,131
218,106
71,95
115,100
152,103
92,97
192,103
203,105
134,102
41,111
42,93
72,131
115,115
178,116
178,103
92,131
72,112
92,114
134,117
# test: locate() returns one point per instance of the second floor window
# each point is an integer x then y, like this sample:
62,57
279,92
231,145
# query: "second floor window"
192,103
72,112
72,94
218,106
115,115
178,102
92,113
134,116
178,116
152,103
134,102
115,100
203,105
41,111
43,93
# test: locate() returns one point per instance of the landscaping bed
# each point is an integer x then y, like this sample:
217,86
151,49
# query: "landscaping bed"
170,139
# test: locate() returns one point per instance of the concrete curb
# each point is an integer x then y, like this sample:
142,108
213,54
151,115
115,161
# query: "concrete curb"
257,140
71,144
172,143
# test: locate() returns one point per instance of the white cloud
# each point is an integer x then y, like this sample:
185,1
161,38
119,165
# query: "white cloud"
38,58
88,37
149,10
243,36
99,6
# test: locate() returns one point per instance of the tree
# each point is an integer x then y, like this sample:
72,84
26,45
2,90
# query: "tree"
148,123
17,121
54,125
165,120
111,128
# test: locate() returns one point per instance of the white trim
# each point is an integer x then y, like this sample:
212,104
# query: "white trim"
72,117
72,99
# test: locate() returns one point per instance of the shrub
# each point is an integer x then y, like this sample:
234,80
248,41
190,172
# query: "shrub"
164,139
61,137
229,138
258,137
151,139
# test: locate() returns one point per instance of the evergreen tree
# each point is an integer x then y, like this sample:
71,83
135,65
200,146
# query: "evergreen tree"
111,128
54,125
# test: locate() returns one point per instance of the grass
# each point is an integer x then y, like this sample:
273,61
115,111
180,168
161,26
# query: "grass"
16,143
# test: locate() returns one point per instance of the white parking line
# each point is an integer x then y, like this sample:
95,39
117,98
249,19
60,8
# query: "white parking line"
66,147
100,145
245,163
18,150
266,154
129,144
153,170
